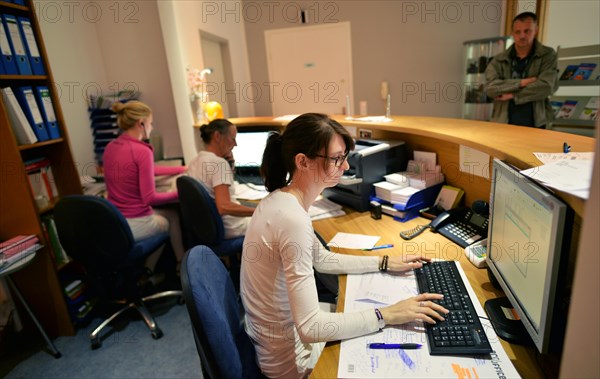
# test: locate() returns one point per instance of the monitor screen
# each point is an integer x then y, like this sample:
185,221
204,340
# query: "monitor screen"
527,239
249,149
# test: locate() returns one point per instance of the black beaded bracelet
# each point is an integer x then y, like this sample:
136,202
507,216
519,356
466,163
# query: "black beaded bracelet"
384,263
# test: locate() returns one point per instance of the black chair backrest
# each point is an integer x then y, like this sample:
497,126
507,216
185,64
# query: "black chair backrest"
224,348
92,231
201,222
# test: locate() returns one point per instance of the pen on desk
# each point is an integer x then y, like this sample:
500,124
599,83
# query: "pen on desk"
381,247
566,147
404,346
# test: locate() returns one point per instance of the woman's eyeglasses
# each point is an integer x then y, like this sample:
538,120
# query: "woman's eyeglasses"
337,161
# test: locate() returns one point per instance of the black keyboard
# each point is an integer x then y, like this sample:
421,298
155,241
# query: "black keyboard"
462,332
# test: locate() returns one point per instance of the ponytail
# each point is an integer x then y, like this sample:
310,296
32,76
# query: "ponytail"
273,169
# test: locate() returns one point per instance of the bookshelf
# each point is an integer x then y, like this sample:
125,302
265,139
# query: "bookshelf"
20,214
477,55
578,92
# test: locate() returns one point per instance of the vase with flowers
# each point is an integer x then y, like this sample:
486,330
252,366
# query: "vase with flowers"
198,97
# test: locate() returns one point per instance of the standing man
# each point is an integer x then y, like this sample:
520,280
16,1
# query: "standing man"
521,78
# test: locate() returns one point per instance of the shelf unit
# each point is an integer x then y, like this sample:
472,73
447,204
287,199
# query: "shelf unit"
579,90
477,54
19,213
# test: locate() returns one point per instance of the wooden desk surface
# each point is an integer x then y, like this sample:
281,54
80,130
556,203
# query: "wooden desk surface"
430,244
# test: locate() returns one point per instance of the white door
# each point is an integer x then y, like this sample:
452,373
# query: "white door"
310,68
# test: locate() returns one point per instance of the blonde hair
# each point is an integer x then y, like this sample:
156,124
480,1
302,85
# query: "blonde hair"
129,113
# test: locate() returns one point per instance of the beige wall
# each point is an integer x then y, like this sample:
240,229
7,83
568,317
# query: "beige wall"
573,23
416,46
76,68
108,46
182,22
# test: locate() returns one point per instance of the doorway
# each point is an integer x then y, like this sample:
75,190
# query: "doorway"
215,53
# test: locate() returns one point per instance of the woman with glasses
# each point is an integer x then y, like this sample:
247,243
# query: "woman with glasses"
278,290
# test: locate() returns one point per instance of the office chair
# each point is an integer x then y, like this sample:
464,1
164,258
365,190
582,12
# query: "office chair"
224,348
202,224
94,233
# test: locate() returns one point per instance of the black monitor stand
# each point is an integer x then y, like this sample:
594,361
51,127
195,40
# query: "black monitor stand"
502,316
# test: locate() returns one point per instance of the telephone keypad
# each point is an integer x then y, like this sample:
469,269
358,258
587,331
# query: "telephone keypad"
461,232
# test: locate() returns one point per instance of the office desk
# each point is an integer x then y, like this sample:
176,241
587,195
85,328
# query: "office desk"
429,244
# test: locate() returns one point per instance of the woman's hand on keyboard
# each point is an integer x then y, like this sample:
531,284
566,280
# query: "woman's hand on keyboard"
420,307
403,264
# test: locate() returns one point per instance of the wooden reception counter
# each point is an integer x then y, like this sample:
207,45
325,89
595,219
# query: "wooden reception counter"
444,136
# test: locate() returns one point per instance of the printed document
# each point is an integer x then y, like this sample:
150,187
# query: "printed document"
375,290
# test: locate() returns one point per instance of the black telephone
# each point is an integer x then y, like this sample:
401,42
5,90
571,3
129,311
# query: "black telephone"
463,226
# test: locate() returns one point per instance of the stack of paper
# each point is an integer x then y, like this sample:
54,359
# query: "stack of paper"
426,179
383,190
399,178
402,196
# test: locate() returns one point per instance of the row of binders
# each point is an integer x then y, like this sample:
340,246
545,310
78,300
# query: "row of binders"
41,180
31,113
19,48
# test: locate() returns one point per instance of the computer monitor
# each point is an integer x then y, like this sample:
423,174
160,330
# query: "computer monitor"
528,248
249,150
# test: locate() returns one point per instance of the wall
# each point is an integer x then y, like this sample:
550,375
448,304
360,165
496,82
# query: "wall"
573,23
76,67
416,46
105,47
182,22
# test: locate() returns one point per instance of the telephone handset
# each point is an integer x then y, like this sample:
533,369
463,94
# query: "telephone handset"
463,226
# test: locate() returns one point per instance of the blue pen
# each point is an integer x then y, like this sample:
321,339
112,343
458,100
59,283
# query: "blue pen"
404,346
381,247
566,148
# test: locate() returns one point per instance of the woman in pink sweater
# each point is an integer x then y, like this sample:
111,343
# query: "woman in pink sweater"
129,172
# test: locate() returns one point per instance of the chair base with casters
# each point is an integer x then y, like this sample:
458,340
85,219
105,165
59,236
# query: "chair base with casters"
140,307
96,235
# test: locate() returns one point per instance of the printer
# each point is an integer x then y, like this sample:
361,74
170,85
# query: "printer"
369,162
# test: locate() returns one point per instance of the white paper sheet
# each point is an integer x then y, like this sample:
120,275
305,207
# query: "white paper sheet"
357,361
353,241
546,158
474,162
571,176
429,158
250,192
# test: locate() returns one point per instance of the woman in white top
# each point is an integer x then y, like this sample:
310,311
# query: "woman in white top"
278,290
213,168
